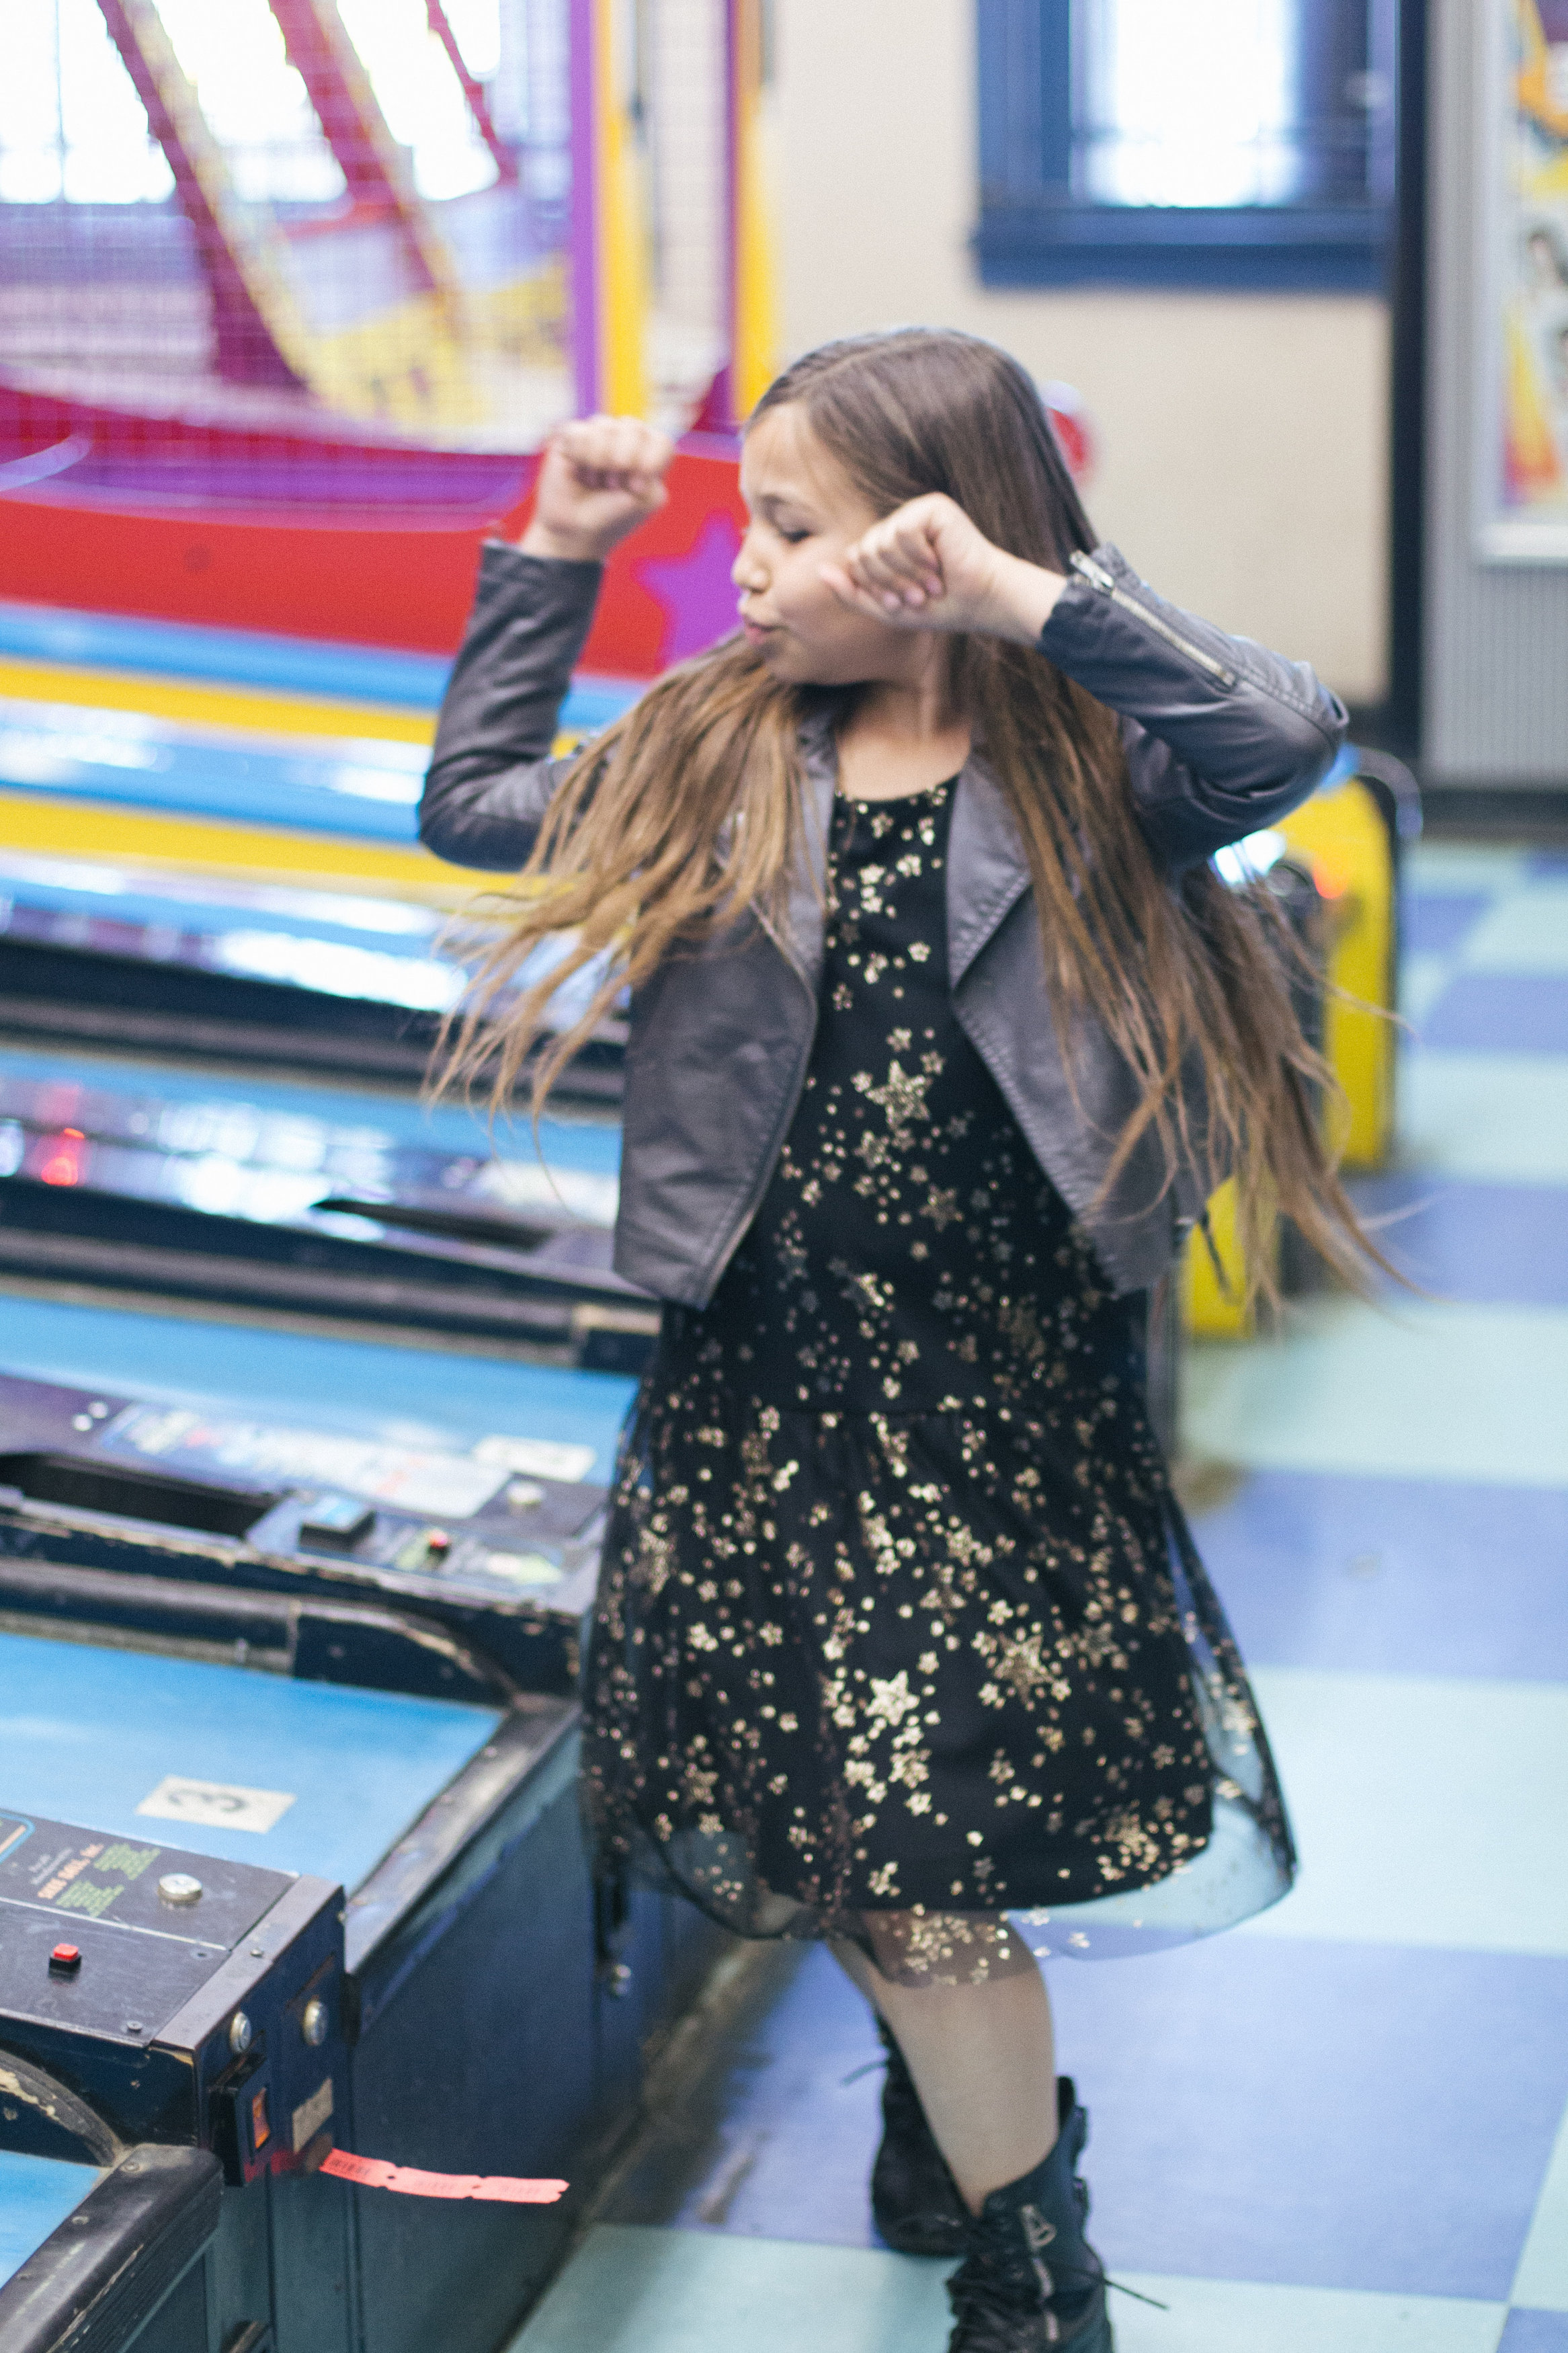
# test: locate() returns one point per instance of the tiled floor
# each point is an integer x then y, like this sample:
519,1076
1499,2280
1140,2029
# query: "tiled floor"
1347,2125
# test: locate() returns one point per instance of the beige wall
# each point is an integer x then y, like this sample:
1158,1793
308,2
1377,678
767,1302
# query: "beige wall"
1242,439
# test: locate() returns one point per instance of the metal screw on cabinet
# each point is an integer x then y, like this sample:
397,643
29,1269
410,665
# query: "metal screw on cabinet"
313,2023
240,2035
179,1887
618,1980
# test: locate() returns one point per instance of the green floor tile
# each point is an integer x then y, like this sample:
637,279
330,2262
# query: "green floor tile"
1419,1804
631,2290
1238,2317
1464,867
1541,2284
1527,932
1493,1118
1415,1391
646,2291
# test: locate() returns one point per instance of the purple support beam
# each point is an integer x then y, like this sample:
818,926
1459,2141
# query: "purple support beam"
584,245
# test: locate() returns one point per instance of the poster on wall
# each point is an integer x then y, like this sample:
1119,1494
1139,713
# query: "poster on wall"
1524,485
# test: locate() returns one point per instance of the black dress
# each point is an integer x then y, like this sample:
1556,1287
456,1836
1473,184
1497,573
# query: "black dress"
899,1616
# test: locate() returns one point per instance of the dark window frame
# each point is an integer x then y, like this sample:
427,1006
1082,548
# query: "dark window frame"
1034,230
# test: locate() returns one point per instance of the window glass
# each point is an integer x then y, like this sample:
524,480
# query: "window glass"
419,92
255,103
476,29
1195,105
71,124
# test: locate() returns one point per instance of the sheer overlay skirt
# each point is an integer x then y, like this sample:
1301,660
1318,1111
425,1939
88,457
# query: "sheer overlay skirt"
954,1686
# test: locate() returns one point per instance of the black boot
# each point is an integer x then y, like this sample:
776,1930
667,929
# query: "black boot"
915,2203
1029,2279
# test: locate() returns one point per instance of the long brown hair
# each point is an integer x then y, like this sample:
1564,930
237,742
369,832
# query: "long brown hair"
691,808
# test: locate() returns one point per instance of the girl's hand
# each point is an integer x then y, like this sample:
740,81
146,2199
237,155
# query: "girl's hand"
925,566
600,479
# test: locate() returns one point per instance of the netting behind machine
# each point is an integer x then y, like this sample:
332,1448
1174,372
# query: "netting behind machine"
266,216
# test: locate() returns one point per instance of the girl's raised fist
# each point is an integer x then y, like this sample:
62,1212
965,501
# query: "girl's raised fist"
600,477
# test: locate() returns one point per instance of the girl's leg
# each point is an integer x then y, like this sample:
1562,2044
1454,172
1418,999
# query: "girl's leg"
984,2061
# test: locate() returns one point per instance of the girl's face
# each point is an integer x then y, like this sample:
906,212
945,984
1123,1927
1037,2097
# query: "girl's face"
805,512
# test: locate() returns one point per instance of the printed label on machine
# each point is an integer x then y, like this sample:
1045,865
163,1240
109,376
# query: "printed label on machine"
95,1875
536,1458
219,1805
311,2116
454,1486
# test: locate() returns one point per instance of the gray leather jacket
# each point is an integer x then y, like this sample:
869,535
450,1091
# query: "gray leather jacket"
1222,737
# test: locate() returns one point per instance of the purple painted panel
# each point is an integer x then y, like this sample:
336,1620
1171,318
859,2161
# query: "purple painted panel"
695,590
583,292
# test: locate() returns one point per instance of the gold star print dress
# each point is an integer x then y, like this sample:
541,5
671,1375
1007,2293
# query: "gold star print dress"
899,1627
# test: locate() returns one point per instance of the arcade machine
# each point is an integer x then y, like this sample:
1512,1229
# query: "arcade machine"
103,2254
1334,865
288,1727
292,1862
269,1198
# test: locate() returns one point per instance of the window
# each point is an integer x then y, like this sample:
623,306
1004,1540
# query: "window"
72,127
71,124
1212,143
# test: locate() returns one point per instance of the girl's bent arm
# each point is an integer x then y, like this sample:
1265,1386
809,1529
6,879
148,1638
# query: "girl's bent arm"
491,779
491,775
1222,736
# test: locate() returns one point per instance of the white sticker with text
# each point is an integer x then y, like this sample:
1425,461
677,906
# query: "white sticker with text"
215,1805
537,1458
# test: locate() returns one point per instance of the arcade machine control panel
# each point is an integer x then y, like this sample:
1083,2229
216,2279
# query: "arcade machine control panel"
459,1575
151,1995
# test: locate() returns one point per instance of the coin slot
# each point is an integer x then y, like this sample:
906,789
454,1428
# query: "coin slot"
137,1494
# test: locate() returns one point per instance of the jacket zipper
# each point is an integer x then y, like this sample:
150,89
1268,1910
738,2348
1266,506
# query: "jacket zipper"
1097,578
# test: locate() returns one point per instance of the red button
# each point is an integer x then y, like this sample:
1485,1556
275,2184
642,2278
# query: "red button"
64,1961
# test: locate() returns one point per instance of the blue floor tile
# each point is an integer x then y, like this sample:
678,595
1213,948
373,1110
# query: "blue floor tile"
1394,1576
1534,2332
1479,1242
1350,2117
818,2057
1435,922
1266,2110
785,2138
1515,1013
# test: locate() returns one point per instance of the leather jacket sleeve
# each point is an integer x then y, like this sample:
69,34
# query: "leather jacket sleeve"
491,775
1222,736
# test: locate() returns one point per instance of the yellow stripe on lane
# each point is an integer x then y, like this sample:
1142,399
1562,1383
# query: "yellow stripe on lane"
210,706
99,829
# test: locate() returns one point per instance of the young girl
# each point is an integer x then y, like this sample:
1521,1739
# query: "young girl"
944,1028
